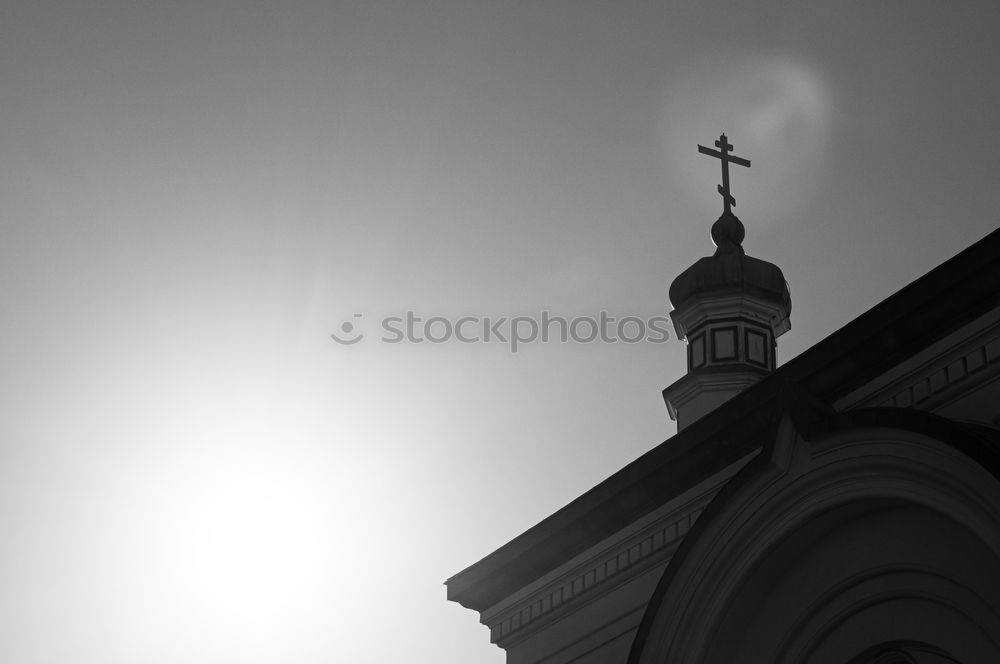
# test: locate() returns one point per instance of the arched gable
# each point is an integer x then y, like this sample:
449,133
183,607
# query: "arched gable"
867,528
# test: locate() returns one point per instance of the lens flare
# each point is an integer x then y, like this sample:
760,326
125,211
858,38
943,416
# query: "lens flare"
776,113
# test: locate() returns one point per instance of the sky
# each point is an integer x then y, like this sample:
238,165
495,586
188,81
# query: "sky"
195,195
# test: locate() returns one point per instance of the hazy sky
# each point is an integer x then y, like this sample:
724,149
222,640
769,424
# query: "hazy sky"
193,196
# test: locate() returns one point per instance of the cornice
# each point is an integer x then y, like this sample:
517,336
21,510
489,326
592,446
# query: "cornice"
606,570
961,367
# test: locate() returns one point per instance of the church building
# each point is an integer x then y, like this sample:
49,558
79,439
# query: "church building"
843,508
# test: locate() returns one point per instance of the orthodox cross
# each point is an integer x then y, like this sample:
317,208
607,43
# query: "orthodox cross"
723,154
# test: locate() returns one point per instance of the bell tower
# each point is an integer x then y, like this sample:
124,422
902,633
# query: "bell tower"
730,309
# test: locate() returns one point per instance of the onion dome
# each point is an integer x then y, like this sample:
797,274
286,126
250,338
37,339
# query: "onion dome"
730,270
729,309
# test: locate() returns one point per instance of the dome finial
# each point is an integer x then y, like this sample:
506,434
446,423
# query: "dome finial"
727,234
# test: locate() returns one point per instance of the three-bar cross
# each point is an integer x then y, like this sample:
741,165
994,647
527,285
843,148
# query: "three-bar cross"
723,154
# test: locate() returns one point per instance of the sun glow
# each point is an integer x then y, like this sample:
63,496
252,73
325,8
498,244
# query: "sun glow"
248,530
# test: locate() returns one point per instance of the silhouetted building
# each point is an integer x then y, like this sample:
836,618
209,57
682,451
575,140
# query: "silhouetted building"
842,508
